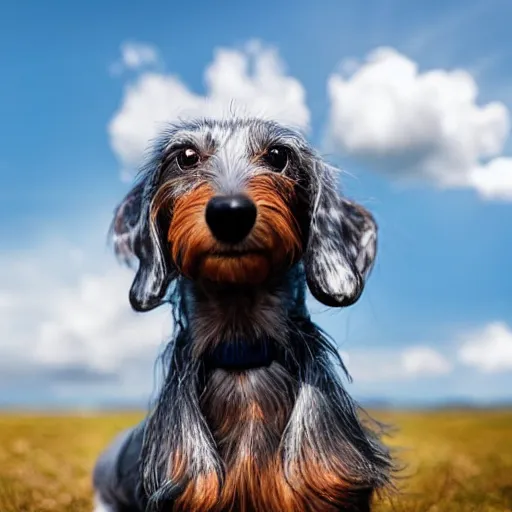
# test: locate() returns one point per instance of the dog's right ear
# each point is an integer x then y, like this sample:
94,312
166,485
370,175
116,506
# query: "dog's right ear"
136,238
342,243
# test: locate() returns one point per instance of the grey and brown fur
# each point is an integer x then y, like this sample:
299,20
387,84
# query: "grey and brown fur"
281,437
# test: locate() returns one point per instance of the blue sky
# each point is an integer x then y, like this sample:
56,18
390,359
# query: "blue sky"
435,321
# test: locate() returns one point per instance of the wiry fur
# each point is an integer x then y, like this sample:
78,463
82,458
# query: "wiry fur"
285,436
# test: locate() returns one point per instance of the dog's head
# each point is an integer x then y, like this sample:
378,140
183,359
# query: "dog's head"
238,202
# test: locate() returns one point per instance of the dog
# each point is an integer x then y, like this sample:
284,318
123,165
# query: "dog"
228,222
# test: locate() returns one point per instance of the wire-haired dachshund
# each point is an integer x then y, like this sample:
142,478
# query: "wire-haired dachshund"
227,222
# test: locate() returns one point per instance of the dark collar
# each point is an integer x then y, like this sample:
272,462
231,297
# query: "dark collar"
243,355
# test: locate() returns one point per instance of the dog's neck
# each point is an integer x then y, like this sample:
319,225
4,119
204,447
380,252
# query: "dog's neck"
252,316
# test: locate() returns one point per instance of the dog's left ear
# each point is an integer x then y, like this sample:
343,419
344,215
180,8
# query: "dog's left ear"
136,238
125,225
342,243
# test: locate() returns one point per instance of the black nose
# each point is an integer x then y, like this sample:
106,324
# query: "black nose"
230,218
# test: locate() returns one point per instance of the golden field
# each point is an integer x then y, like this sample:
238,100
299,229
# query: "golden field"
455,460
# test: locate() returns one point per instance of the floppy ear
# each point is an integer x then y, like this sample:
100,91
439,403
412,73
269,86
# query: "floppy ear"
136,237
341,246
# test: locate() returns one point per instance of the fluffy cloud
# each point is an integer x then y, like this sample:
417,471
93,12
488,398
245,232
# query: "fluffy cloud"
416,361
423,361
494,179
135,56
252,80
489,350
64,323
420,125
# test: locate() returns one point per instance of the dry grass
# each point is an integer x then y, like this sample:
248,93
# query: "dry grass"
457,460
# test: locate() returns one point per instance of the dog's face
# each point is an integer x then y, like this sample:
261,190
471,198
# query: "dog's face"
229,202
238,202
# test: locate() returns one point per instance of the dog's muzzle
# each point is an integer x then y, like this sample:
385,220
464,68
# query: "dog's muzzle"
230,218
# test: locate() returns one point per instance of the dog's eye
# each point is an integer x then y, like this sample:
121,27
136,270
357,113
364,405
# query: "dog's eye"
187,158
277,157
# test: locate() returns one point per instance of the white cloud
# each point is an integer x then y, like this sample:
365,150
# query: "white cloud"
90,324
489,349
494,179
415,124
252,80
135,56
413,362
423,361
64,322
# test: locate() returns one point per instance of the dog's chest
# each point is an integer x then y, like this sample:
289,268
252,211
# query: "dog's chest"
247,413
